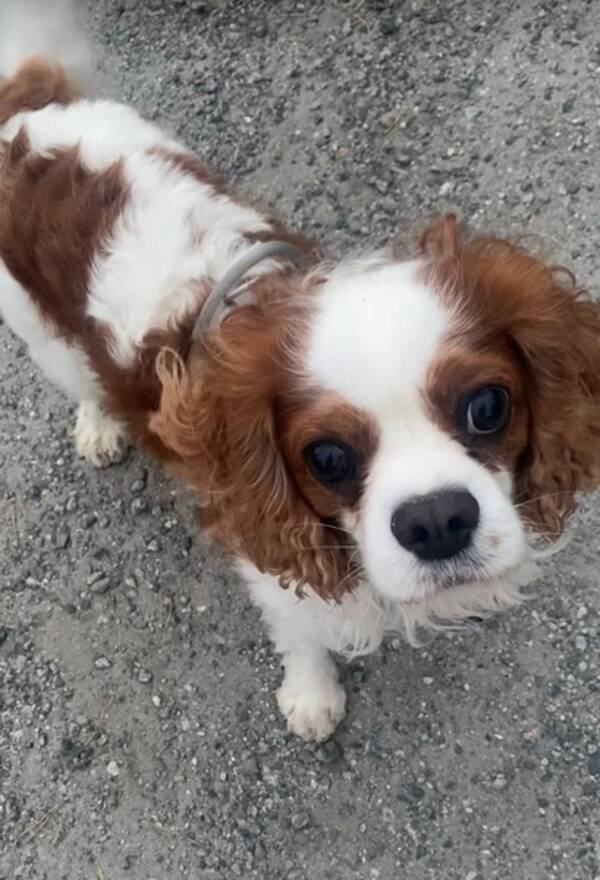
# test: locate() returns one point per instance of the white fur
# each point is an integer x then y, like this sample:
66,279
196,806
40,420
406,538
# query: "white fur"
174,231
98,437
105,131
65,365
311,698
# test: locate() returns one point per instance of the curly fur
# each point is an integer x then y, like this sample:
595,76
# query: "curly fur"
503,290
219,412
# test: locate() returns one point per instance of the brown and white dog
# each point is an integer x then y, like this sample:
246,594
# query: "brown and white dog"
375,442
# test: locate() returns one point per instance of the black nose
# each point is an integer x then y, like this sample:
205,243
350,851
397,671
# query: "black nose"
436,526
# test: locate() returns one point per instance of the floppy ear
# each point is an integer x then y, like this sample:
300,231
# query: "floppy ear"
218,412
508,294
560,344
554,328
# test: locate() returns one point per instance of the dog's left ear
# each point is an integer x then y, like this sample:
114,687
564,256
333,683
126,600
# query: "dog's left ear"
511,294
219,413
554,329
560,345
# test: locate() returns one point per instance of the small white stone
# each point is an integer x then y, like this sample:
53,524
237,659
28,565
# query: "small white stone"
112,768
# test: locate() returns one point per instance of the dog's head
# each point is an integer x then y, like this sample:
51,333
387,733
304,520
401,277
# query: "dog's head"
411,420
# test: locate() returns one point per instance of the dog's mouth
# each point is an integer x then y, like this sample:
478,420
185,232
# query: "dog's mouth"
465,570
459,571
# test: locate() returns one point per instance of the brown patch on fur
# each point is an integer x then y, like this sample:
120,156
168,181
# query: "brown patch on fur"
55,216
224,412
38,82
538,321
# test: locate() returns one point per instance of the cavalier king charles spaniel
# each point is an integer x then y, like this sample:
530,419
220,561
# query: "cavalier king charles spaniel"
377,442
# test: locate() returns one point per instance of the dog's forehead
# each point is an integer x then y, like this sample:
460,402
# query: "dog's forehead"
375,334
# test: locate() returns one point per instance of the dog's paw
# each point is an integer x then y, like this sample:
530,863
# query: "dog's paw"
312,708
98,437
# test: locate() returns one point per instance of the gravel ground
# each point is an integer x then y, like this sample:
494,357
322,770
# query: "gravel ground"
139,736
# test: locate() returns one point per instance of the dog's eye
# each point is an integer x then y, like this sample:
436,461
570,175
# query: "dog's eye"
488,410
331,462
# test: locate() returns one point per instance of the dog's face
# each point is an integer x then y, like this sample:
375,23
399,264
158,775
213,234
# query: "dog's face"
409,420
422,463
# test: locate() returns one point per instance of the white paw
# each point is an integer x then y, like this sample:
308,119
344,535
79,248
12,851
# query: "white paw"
98,437
313,709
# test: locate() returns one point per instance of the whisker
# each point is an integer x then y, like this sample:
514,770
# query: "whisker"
330,547
564,492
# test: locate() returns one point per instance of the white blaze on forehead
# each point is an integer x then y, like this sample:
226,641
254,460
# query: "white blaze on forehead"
375,334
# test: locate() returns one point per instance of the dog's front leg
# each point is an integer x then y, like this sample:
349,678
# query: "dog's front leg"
311,697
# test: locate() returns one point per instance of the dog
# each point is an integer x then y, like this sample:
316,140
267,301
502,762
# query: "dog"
376,443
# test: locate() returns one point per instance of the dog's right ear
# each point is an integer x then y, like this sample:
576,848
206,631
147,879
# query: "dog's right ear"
218,413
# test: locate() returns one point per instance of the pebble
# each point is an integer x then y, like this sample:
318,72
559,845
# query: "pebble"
62,538
500,782
112,768
300,820
388,25
330,752
594,764
102,663
100,586
98,582
144,676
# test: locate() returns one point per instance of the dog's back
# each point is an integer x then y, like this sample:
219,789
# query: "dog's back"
110,231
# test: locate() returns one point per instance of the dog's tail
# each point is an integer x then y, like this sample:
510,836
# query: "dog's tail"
45,56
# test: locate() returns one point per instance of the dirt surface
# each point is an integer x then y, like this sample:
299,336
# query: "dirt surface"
139,735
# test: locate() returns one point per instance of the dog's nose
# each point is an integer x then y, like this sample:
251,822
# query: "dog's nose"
436,526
